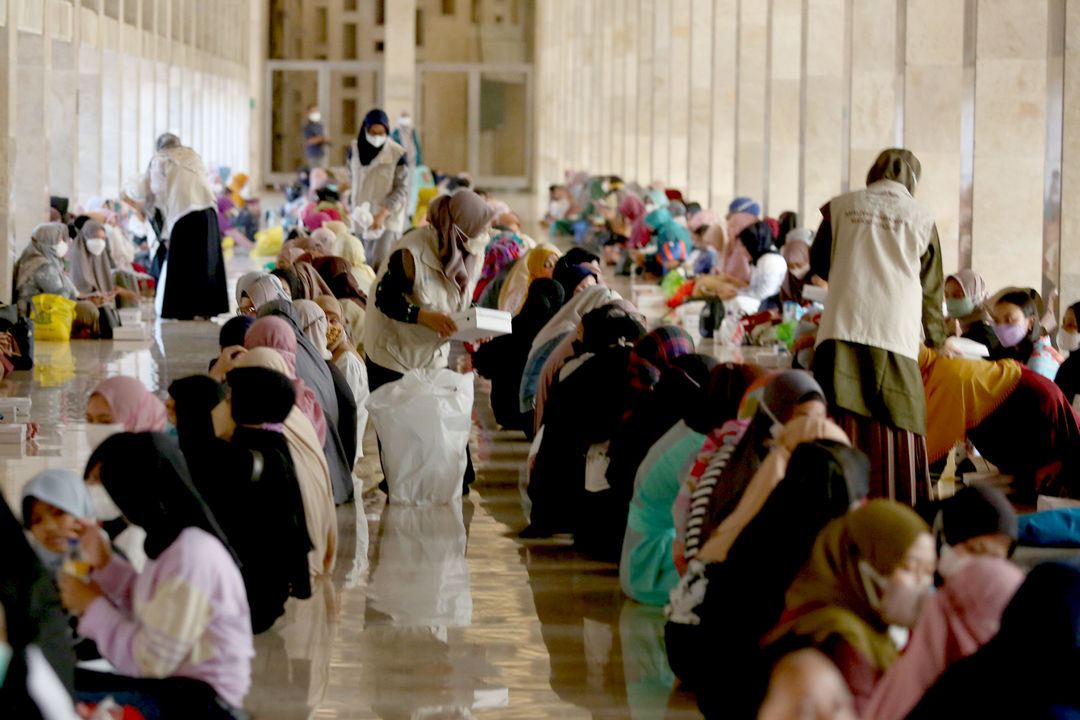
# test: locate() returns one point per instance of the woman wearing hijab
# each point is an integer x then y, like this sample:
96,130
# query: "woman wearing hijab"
502,360
91,267
719,658
1015,417
504,250
742,213
231,335
316,327
40,269
232,467
379,176
195,663
965,301
537,263
333,393
1028,669
768,270
796,253
868,569
54,503
632,210
667,246
33,626
886,305
647,571
961,617
312,471
125,401
349,248
342,283
348,361
257,288
275,333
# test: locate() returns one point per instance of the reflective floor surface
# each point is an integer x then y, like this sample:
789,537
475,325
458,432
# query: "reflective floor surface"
434,612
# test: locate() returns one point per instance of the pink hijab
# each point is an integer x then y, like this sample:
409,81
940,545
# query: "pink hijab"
960,618
736,258
138,409
273,332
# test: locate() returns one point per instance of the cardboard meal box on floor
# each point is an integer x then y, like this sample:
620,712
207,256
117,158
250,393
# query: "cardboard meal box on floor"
477,323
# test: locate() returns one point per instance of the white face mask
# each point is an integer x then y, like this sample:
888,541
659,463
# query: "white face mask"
60,248
405,121
1068,341
97,433
104,507
777,426
800,272
375,140
95,246
315,116
474,246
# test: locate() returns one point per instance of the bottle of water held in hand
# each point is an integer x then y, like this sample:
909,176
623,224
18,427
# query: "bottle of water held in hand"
73,561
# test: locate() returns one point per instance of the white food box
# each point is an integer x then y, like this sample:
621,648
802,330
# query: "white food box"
12,407
140,332
970,348
813,293
131,317
12,433
476,323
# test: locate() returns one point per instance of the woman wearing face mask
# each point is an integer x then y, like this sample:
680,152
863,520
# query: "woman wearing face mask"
768,272
1068,376
92,268
1020,332
348,360
869,569
796,252
379,176
54,502
430,276
123,404
178,633
1015,417
957,620
965,301
40,269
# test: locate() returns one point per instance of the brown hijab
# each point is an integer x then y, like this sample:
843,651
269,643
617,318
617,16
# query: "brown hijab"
456,218
332,307
898,165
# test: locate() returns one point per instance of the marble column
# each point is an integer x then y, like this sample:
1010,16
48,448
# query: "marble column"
701,79
724,64
660,135
750,130
873,85
399,58
1010,130
1070,172
32,151
644,108
932,110
679,118
826,98
785,78
9,96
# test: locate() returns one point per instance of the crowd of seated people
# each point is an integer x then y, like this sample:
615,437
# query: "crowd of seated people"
694,474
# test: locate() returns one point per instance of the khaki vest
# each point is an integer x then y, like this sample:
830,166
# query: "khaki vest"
372,183
186,186
408,346
875,292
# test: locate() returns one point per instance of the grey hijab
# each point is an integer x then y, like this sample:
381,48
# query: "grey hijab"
90,273
39,269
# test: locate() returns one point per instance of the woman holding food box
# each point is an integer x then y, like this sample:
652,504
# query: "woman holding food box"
428,278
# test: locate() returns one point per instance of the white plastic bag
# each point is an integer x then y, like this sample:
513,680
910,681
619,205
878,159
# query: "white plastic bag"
423,422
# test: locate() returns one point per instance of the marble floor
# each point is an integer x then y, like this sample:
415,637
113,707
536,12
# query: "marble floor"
432,612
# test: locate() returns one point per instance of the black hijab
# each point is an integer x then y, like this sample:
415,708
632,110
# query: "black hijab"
1029,669
147,477
758,239
545,298
727,384
366,152
233,331
260,395
194,398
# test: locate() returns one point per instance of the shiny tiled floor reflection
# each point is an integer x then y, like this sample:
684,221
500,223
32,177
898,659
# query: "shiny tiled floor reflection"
434,612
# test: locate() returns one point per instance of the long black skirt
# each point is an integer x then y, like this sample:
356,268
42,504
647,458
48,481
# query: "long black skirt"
195,275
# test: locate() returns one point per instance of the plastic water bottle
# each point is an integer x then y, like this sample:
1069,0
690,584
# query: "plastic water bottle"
73,561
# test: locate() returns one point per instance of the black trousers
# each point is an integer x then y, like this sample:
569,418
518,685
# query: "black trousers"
379,376
175,697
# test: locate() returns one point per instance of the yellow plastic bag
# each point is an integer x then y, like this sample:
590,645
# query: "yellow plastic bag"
268,241
53,317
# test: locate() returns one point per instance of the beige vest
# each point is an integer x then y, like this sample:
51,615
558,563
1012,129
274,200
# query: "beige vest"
186,186
875,293
408,346
372,183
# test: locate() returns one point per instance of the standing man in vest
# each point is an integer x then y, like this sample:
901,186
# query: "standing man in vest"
192,281
878,249
379,176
